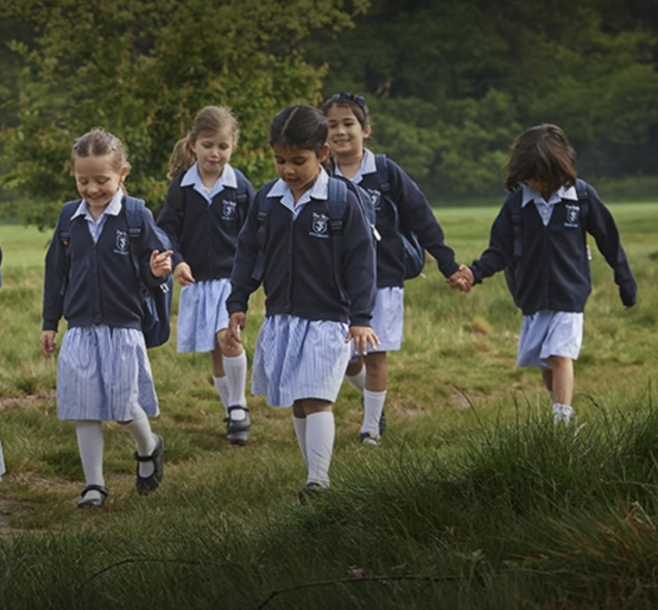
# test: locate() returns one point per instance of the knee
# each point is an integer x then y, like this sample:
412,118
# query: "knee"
560,362
225,347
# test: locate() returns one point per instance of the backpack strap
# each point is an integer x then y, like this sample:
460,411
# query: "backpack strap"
64,222
135,216
241,191
263,203
583,197
381,175
241,196
517,222
64,226
174,192
337,203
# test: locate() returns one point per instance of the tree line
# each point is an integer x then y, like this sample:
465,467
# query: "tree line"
450,83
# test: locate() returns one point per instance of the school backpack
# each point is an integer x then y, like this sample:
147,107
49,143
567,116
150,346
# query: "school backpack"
516,198
414,254
157,299
337,189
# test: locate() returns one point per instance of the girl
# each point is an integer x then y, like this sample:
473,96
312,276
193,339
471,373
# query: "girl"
205,208
103,371
541,233
349,128
302,348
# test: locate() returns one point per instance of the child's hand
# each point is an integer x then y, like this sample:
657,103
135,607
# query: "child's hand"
160,262
183,274
236,323
48,344
363,336
462,279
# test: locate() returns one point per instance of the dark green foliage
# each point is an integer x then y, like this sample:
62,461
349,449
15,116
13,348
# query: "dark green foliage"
451,83
142,70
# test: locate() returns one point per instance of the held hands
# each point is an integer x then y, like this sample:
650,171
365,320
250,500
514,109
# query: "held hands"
363,336
160,262
183,274
462,279
236,323
48,344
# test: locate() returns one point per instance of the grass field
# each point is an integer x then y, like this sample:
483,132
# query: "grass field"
474,500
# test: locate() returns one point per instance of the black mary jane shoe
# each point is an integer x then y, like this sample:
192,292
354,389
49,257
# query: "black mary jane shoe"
148,484
93,502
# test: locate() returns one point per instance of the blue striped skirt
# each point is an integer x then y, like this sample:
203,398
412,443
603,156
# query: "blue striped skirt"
297,359
202,314
387,320
549,333
104,374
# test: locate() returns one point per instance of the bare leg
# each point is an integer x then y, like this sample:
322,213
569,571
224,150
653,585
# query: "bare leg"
562,379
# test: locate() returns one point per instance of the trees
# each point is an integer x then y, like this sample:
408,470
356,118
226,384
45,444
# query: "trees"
142,69
452,82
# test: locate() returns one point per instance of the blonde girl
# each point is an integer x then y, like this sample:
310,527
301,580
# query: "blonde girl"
103,370
205,209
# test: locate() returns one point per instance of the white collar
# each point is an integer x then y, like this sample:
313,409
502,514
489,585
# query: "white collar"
530,194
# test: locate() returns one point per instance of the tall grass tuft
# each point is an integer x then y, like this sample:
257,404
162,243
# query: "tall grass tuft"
474,500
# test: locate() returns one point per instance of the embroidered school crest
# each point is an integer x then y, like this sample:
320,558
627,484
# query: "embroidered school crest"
121,243
320,226
228,210
573,215
375,197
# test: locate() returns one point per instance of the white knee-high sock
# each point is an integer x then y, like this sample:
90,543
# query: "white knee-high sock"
358,380
221,383
300,432
236,375
140,430
373,405
320,435
90,445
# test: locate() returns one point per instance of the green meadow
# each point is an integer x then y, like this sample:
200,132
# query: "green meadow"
474,500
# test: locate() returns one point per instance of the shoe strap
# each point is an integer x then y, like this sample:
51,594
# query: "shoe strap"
98,488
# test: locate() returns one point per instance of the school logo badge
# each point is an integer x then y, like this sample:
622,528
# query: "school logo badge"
228,210
573,215
121,243
375,197
320,226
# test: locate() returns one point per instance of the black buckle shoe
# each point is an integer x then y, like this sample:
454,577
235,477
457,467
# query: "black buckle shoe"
93,502
151,483
236,429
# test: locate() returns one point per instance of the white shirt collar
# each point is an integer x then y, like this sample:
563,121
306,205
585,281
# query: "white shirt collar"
226,179
368,166
319,190
530,194
113,208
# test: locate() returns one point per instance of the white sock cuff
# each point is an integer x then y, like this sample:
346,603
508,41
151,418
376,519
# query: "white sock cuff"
234,360
374,395
358,380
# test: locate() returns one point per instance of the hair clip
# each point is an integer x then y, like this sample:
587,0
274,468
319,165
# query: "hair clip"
109,138
359,100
